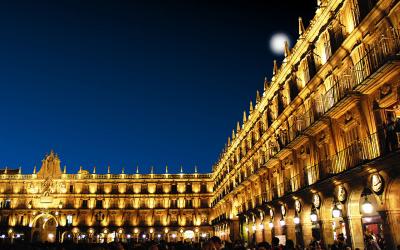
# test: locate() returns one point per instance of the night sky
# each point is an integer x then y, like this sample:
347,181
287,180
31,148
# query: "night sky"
126,83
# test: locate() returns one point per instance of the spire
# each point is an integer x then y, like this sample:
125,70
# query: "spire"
65,169
229,141
151,170
286,49
265,83
251,106
233,134
181,169
6,170
195,168
108,169
137,169
34,170
19,170
244,117
258,97
80,170
123,170
275,70
237,127
301,27
94,169
166,169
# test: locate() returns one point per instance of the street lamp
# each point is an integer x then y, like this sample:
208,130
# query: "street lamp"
313,216
271,224
296,220
366,206
282,222
336,212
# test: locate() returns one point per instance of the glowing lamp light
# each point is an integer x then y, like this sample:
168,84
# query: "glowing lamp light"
271,224
296,220
203,235
174,236
336,212
128,236
367,206
136,230
247,229
166,230
144,236
282,222
151,230
50,236
159,235
313,216
261,226
254,227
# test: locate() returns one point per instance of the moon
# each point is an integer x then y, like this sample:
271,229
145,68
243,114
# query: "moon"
277,43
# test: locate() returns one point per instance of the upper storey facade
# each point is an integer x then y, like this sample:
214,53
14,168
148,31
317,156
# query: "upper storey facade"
322,112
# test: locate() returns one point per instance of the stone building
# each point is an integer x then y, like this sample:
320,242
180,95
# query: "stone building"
51,205
315,158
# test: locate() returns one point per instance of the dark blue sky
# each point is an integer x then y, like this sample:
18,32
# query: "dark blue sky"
123,83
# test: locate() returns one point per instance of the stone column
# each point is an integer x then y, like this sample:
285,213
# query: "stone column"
327,231
388,225
356,231
393,218
234,229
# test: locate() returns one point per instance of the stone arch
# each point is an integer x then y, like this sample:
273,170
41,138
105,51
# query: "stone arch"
392,207
46,215
44,227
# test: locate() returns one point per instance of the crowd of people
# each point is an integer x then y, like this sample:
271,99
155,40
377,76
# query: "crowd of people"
214,243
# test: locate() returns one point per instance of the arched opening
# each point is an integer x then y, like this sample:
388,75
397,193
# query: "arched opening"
44,228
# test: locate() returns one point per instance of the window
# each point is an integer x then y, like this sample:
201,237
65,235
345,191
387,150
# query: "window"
69,219
84,204
99,203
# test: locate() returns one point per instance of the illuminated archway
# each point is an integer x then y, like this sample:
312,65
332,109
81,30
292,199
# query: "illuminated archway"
44,228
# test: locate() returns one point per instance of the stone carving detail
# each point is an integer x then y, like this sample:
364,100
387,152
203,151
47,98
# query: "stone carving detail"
47,187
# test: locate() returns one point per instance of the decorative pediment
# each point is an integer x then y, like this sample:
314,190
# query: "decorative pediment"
50,167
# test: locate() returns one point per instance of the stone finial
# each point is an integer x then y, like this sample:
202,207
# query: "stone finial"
233,134
251,107
195,168
181,169
137,169
237,127
94,169
151,170
34,170
266,84
258,97
123,170
166,169
301,27
108,169
65,169
19,170
80,170
244,117
229,141
286,49
275,69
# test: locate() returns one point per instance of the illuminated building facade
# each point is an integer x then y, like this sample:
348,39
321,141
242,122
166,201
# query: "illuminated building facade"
316,157
51,205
